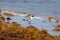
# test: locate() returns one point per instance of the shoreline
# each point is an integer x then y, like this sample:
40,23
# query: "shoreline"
36,17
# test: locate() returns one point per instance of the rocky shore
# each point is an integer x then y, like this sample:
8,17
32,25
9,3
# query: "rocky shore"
14,31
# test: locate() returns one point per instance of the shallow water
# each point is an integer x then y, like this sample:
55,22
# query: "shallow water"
37,7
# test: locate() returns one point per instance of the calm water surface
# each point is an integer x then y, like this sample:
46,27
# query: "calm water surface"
37,7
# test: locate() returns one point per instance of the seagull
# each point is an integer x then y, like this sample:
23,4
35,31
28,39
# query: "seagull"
29,18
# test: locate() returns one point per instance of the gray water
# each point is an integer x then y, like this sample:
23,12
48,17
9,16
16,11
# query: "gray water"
37,7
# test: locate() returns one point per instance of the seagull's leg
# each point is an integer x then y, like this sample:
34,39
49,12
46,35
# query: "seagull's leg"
29,23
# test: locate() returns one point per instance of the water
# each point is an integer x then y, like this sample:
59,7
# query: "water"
37,7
